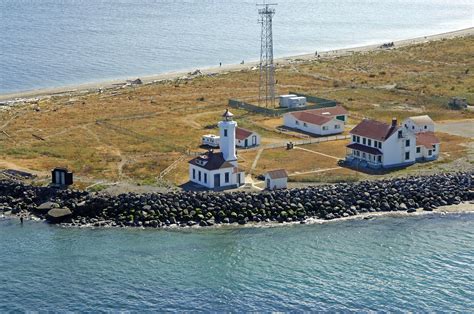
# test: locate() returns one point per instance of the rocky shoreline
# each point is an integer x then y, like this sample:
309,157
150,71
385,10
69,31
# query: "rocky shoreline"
79,208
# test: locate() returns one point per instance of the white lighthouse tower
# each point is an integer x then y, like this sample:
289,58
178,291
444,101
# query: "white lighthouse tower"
227,137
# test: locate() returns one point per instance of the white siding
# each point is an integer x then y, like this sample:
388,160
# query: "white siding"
281,183
394,149
334,126
412,126
233,179
241,143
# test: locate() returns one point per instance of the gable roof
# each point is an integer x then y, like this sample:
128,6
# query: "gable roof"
319,116
242,134
422,119
277,174
310,118
213,161
426,139
373,129
329,111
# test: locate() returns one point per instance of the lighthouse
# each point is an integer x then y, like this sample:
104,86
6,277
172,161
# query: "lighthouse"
227,137
219,170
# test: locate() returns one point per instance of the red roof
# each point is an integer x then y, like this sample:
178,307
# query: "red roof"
310,118
329,111
319,116
376,130
242,134
365,149
427,139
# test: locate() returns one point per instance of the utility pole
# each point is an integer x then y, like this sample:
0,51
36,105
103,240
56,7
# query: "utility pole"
266,94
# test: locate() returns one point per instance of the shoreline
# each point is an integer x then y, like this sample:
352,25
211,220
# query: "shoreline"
464,208
412,195
11,98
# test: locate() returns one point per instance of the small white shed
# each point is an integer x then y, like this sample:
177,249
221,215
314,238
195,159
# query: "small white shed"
276,179
285,99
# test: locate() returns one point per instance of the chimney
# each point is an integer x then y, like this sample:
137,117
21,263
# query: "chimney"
394,122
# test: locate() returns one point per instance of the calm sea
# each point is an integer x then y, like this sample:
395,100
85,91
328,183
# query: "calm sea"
52,43
388,264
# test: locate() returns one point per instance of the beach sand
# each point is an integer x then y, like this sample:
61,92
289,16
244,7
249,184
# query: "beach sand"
94,86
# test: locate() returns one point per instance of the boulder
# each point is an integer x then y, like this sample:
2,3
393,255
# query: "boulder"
58,215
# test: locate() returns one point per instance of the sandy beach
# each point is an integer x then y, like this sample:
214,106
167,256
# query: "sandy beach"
11,98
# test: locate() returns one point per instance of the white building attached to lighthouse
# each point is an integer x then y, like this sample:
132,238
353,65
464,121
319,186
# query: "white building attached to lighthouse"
219,170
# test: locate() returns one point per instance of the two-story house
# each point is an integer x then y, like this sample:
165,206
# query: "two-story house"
377,144
427,144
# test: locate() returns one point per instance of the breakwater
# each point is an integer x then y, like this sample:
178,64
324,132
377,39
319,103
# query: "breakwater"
78,208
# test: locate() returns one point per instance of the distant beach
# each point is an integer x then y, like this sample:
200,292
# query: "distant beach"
225,68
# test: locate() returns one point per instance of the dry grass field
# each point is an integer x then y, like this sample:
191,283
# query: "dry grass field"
135,133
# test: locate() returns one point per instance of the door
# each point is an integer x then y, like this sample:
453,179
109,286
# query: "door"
268,183
63,178
238,179
246,143
254,140
57,176
217,180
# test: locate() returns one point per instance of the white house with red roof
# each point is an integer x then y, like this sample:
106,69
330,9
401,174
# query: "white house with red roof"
219,170
245,138
377,144
323,121
427,144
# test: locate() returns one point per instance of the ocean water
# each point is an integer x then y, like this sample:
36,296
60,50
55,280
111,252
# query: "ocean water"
387,264
52,43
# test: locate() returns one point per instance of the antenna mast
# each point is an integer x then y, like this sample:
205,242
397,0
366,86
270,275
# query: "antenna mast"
266,92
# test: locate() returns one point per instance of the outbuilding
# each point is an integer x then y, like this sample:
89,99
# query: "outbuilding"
61,177
276,179
245,138
419,124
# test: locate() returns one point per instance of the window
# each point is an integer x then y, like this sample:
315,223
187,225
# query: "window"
337,126
412,127
418,150
364,140
406,125
363,155
354,138
369,142
380,145
407,155
297,122
194,174
205,178
430,152
304,124
379,158
225,132
400,134
325,128
199,176
226,179
407,143
434,148
426,127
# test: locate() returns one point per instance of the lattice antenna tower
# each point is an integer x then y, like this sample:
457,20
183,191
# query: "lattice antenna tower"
266,94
